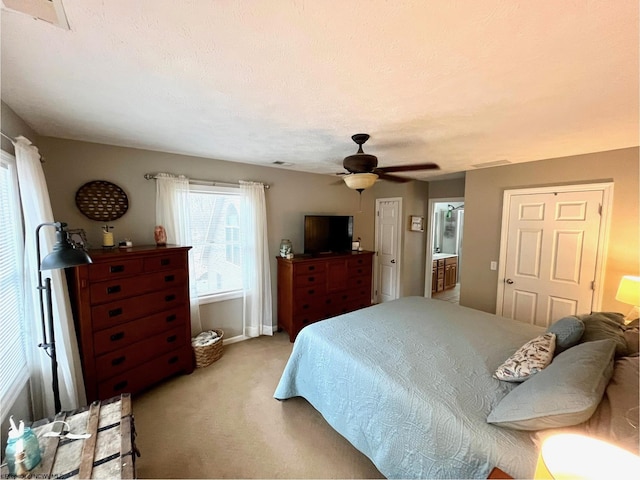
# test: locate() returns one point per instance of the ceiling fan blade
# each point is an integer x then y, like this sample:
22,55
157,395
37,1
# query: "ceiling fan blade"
408,168
391,178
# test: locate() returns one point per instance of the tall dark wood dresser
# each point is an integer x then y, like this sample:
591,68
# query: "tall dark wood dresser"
132,315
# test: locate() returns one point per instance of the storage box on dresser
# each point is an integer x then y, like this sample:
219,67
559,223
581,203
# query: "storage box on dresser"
315,288
132,314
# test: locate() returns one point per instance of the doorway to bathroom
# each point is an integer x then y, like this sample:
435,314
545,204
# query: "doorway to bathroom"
444,254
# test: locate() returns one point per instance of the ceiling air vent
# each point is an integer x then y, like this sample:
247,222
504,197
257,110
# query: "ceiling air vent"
282,164
50,11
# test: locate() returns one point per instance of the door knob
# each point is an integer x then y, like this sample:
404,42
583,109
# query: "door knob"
393,261
509,281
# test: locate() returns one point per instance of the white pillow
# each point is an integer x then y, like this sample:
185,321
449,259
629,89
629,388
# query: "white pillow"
528,360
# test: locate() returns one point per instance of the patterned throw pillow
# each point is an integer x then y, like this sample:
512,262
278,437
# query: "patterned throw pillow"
528,360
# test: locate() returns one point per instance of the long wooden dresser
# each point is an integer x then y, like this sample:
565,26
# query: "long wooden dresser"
312,288
132,315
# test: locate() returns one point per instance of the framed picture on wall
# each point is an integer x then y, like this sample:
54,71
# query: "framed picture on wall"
416,223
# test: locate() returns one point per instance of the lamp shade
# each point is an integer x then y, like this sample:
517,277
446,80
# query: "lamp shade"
64,254
360,181
629,290
572,456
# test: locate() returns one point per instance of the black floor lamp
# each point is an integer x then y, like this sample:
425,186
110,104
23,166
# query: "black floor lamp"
63,255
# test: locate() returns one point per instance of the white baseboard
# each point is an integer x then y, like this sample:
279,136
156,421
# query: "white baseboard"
237,338
240,338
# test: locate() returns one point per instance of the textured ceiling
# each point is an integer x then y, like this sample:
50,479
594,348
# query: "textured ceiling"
459,83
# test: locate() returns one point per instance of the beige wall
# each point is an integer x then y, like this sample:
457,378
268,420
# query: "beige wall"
453,188
13,126
484,190
70,164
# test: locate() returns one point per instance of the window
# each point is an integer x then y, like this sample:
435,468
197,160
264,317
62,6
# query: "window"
13,365
215,236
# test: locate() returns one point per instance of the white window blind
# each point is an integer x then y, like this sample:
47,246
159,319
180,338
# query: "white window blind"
214,213
13,365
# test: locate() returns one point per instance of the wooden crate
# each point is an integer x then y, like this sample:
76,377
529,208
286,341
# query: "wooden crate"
109,452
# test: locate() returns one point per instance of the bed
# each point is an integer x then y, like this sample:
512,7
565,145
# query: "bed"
410,384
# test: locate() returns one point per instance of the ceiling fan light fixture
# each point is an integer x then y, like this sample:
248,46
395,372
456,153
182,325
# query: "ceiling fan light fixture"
360,181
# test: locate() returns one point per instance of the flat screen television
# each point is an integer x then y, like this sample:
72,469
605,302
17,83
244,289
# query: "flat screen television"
327,233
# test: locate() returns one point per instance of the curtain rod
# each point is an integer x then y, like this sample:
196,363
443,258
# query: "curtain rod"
212,183
7,136
13,142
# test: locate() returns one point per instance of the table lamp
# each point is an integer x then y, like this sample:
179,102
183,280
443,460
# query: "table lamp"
578,457
63,255
629,292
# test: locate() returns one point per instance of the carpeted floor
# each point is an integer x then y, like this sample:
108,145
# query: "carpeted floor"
223,422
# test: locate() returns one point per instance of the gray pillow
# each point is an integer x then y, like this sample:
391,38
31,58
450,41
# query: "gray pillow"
616,418
568,332
601,325
565,393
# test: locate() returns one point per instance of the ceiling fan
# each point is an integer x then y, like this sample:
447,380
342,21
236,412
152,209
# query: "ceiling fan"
363,168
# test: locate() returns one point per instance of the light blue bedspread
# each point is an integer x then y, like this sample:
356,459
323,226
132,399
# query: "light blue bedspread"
409,383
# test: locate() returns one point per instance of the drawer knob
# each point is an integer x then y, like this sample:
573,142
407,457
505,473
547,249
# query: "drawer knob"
171,318
311,279
169,278
312,267
118,361
173,360
169,298
172,338
115,312
113,289
120,386
165,261
305,306
117,336
311,292
116,269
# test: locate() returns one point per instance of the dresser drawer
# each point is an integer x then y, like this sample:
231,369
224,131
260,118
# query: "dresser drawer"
116,289
303,319
310,279
163,262
114,313
307,305
115,269
359,261
309,292
127,358
306,268
360,270
361,281
136,379
125,334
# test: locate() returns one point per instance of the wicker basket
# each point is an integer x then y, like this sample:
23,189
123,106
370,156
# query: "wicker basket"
210,353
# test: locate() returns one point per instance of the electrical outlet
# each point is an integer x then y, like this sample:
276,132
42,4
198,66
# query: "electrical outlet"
494,266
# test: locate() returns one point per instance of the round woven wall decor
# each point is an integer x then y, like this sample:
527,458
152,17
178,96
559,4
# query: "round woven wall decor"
101,200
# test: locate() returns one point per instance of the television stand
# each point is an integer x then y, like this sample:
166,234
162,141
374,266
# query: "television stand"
314,288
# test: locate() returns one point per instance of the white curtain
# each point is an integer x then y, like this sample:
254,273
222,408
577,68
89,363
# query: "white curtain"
172,212
36,207
256,275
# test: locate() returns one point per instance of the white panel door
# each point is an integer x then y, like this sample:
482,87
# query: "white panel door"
552,246
388,225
